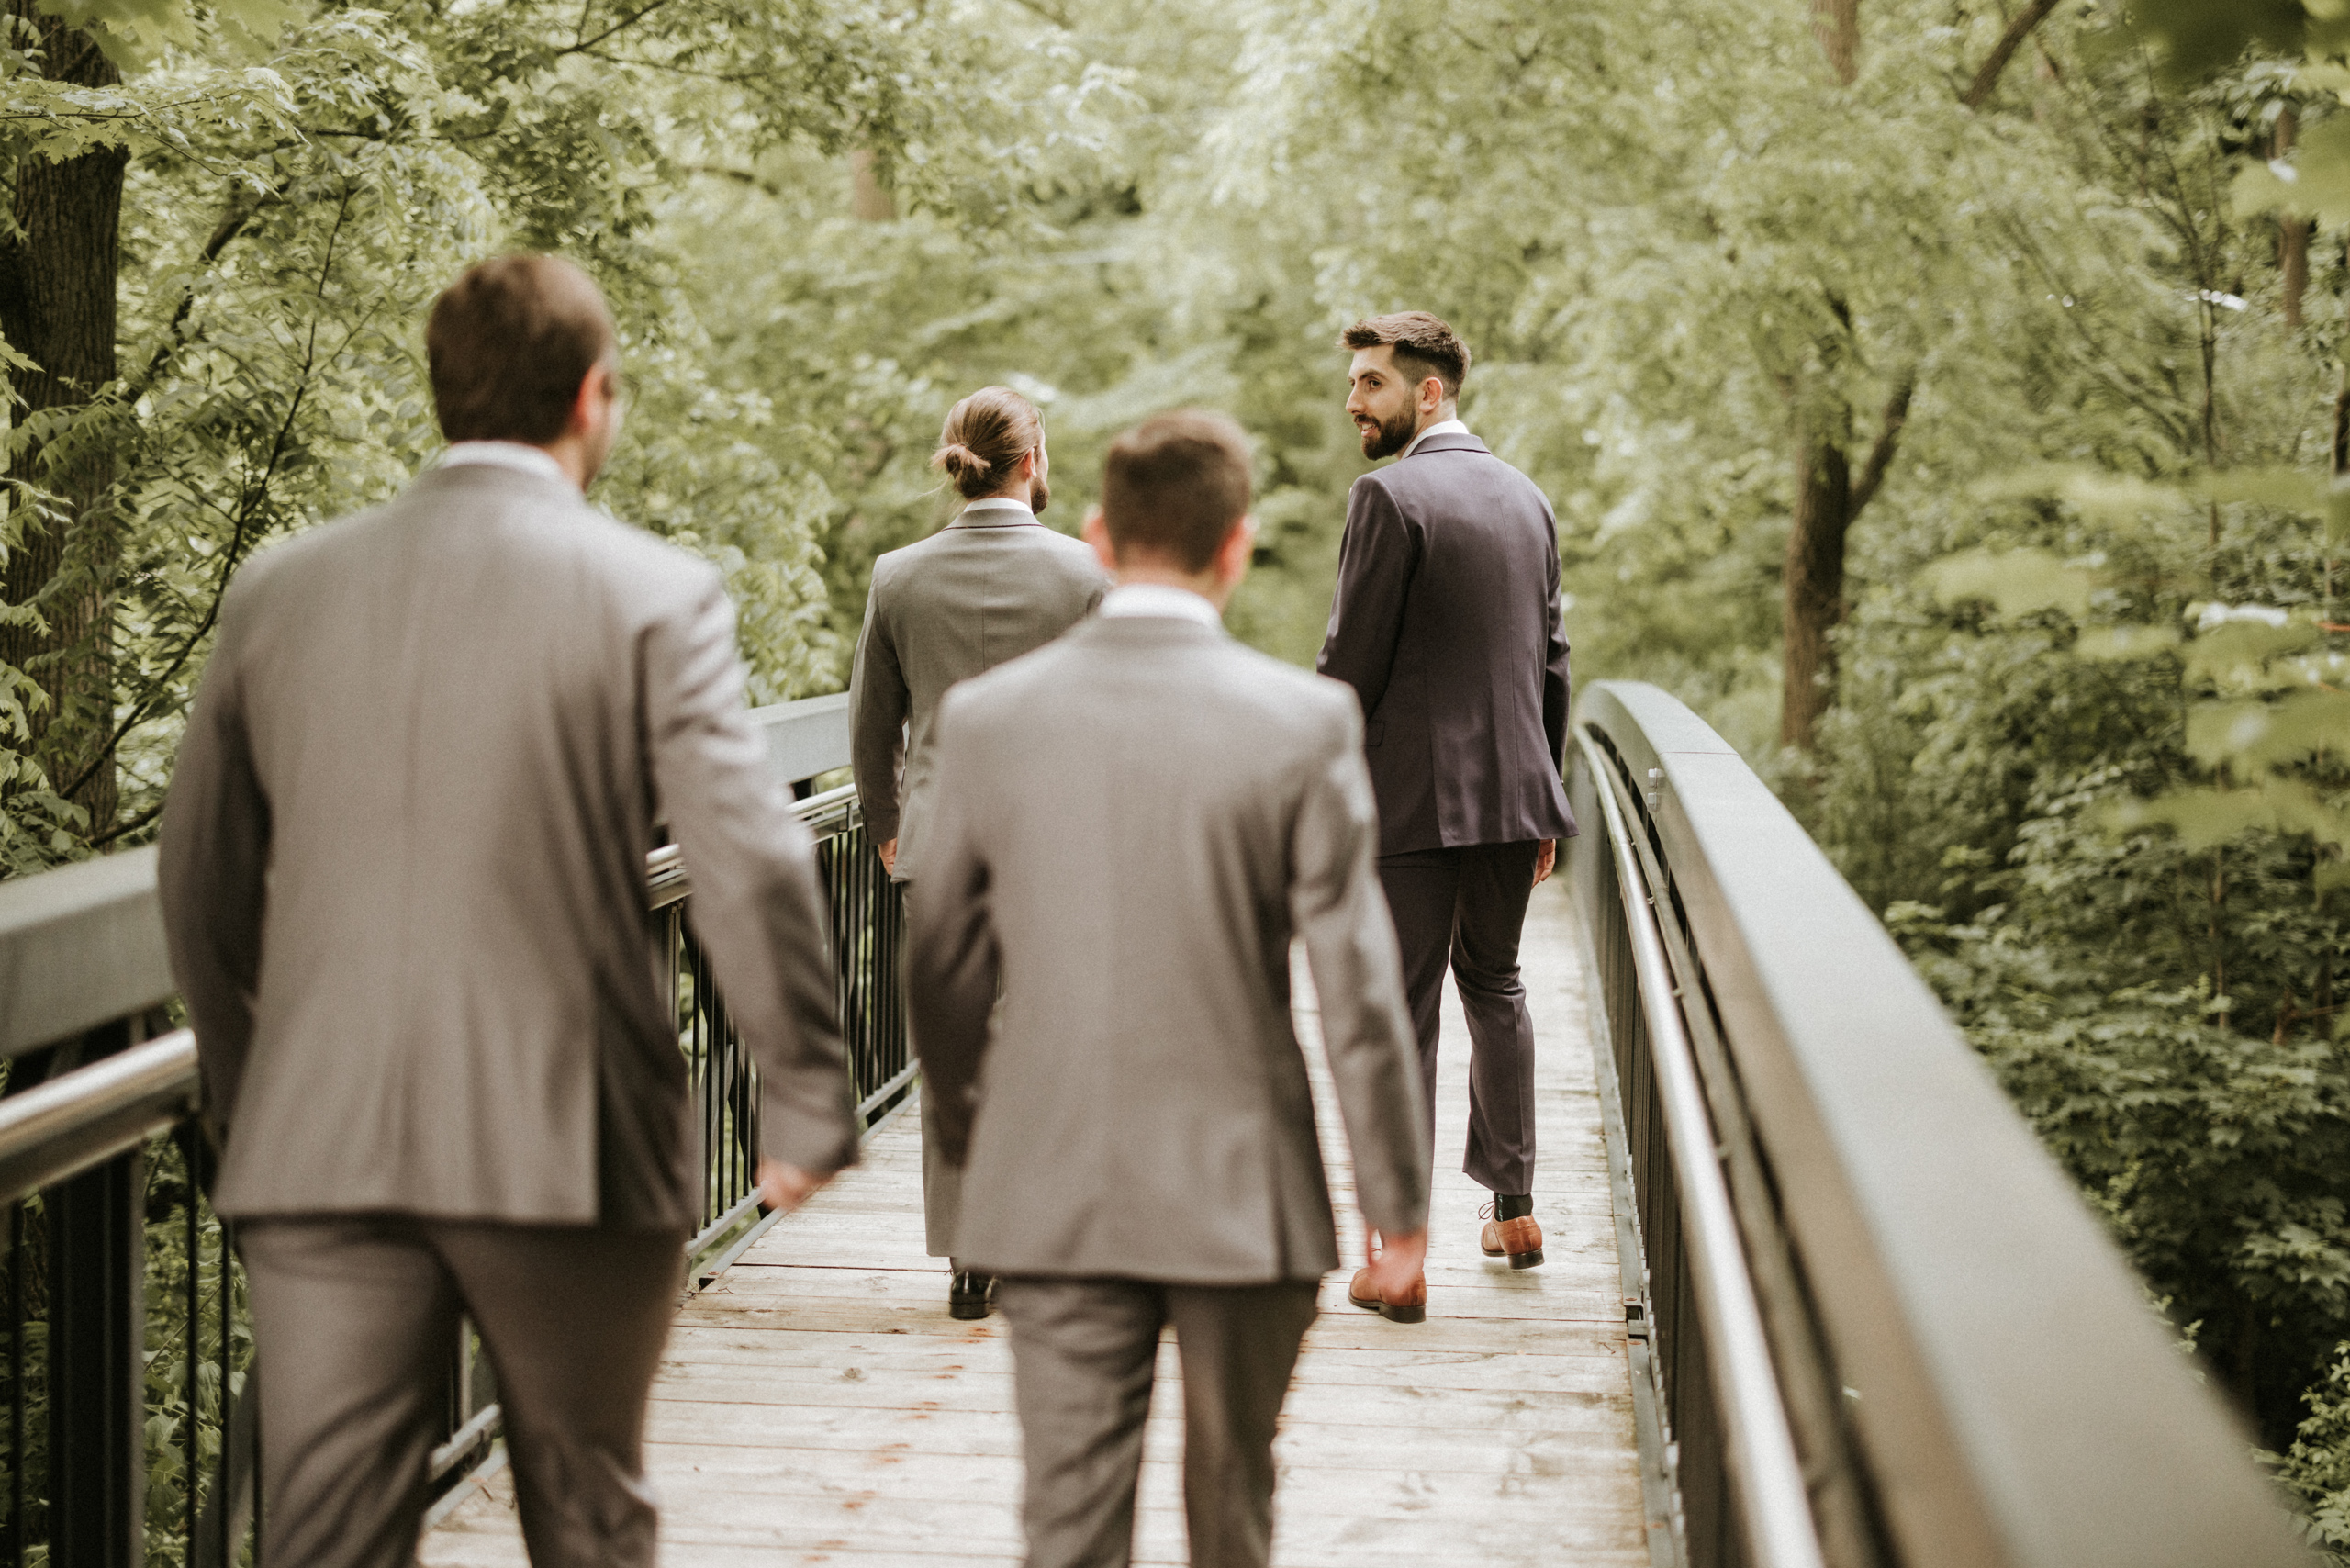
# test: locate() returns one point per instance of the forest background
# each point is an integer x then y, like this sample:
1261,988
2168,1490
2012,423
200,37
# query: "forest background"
1949,398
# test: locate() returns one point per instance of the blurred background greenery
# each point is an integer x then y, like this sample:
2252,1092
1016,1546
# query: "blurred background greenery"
1947,397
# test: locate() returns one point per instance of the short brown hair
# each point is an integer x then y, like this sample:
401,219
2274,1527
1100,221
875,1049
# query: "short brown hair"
1174,486
1423,346
985,437
509,344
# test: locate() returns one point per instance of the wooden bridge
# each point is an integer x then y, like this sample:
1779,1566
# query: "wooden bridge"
817,1405
1815,1297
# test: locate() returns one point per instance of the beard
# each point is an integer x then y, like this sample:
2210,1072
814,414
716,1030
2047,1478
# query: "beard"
1040,496
1385,438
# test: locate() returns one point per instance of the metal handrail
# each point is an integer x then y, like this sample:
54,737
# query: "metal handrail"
89,1115
1966,1362
95,1113
1774,1500
84,973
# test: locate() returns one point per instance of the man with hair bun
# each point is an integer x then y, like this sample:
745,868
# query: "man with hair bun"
1128,828
1446,621
991,585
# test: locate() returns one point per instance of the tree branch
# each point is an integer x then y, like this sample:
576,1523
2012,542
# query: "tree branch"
1996,62
248,507
1053,13
620,26
1888,437
234,221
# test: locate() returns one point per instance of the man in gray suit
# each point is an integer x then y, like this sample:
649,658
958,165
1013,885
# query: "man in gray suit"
1447,624
403,881
1129,827
991,586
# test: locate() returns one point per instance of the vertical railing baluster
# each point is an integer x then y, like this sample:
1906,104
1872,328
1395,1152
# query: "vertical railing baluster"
191,1447
226,1494
16,1386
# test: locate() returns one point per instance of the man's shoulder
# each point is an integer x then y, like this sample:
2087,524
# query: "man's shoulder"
1434,476
548,528
1229,675
1009,686
1315,709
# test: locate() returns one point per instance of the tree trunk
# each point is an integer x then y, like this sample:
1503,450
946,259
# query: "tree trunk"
1815,577
868,197
2293,233
56,306
1837,24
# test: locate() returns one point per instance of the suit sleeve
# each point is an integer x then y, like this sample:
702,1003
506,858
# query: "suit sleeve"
951,959
1558,688
757,907
212,874
877,704
1337,907
1376,559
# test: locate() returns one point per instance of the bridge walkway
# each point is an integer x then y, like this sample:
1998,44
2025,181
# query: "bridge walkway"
817,1405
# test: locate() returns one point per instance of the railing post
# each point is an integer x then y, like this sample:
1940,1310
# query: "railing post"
97,1329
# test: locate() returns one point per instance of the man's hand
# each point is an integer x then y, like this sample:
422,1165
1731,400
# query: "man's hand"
1396,1262
783,1188
890,856
1546,860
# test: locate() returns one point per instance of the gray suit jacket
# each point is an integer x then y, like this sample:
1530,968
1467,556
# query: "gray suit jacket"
963,600
1130,825
1446,623
403,869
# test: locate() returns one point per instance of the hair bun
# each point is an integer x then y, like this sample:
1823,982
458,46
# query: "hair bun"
960,461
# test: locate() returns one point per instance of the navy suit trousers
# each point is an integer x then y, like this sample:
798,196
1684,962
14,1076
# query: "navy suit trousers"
1467,904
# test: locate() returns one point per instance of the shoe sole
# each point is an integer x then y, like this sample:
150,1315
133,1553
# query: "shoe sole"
966,1313
1391,1311
1526,1259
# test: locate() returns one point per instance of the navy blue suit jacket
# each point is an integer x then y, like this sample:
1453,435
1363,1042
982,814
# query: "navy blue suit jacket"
1447,624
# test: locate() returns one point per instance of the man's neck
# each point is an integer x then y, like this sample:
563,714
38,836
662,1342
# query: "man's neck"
1020,493
1204,584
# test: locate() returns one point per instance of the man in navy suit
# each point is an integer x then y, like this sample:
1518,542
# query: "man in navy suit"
1447,624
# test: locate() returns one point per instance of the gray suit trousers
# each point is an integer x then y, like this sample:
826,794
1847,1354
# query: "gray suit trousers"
1083,1354
942,1186
1468,904
354,1317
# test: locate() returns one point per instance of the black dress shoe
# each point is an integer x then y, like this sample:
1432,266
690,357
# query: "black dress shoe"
968,1296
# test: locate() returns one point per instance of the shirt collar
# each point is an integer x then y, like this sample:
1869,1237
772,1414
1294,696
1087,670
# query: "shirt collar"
1443,427
995,511
1160,600
512,454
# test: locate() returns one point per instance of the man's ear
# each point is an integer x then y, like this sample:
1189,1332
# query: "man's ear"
1431,394
1097,534
1239,548
586,403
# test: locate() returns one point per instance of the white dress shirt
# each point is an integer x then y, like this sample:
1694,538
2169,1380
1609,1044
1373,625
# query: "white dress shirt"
514,454
1160,599
1443,427
995,511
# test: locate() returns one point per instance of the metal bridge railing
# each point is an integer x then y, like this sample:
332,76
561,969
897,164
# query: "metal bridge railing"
1885,1330
130,1437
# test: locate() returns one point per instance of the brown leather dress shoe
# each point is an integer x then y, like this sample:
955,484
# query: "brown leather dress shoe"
1519,1241
1414,1308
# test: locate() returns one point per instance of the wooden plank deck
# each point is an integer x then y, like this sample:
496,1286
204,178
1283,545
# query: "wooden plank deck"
817,1405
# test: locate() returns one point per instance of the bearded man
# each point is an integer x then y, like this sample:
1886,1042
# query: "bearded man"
1447,624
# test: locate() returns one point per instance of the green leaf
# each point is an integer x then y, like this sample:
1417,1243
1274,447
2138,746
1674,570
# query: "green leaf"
2126,642
2247,734
2315,182
2019,582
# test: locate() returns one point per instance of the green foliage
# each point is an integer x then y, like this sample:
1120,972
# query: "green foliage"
2091,750
2317,1467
